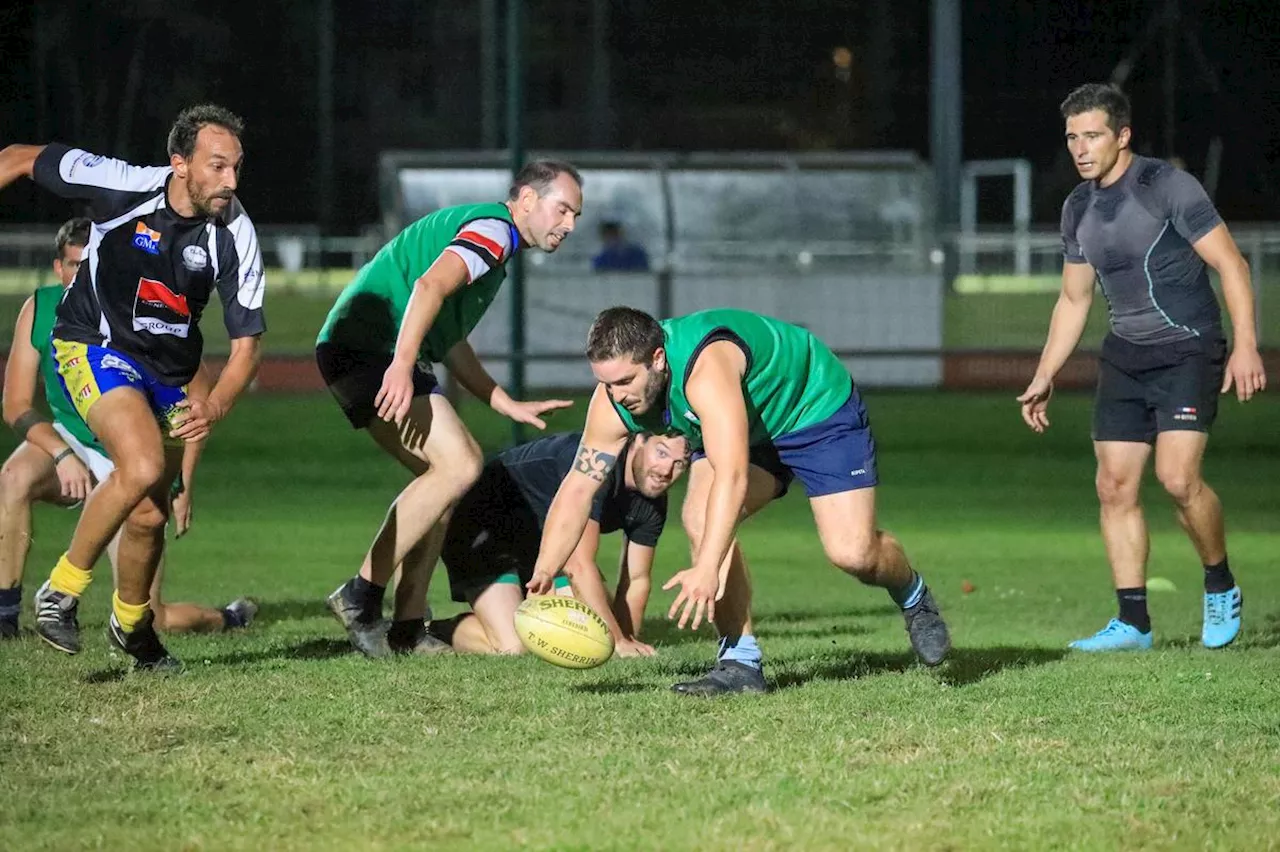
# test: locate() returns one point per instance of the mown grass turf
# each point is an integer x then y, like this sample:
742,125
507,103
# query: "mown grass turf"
280,738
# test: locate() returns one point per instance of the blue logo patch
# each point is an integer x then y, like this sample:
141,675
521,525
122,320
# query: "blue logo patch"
146,239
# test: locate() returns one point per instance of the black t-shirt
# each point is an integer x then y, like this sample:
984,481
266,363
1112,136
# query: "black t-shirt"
148,273
538,468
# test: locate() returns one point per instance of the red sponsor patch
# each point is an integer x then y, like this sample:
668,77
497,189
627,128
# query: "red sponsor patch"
155,293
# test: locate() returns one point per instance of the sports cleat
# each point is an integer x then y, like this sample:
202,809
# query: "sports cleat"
929,636
1116,636
142,643
1221,617
240,613
727,678
368,637
8,628
422,645
56,621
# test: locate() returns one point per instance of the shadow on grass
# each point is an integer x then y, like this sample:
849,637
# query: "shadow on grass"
312,649
612,687
819,624
964,666
299,609
112,675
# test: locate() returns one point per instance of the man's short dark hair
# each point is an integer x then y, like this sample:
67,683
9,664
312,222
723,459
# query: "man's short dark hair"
182,136
74,232
624,332
1104,96
539,175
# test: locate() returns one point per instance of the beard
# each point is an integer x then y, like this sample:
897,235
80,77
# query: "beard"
655,390
203,202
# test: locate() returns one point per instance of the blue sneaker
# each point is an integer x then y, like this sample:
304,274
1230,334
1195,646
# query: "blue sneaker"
1221,618
1116,636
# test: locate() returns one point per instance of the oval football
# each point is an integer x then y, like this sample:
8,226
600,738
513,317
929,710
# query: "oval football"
563,631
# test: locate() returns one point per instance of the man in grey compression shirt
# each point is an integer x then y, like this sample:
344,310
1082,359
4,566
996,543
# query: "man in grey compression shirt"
1147,233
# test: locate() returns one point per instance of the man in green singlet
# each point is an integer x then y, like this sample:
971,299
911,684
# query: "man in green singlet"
413,305
763,402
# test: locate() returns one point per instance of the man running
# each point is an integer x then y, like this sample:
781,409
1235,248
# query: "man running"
60,461
413,305
127,341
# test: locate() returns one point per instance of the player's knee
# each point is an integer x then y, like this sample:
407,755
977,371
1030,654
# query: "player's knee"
139,474
463,470
16,484
857,556
1179,484
1114,490
146,519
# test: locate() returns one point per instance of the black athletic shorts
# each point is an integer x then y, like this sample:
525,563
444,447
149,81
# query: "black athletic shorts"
354,378
1145,390
493,532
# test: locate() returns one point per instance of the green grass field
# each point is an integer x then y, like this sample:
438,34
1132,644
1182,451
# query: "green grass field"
280,738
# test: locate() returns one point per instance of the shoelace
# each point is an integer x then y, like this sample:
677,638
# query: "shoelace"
1216,609
51,610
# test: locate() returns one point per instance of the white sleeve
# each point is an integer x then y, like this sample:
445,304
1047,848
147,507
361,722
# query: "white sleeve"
76,173
483,244
241,281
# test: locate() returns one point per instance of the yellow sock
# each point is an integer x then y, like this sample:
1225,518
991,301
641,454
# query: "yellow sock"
69,579
127,615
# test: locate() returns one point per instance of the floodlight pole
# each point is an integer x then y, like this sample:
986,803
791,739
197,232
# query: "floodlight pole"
945,129
515,145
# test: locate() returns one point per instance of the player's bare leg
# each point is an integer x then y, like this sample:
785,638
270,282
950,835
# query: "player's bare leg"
495,610
1179,456
853,542
28,475
183,617
140,549
122,419
738,665
432,434
1124,534
408,633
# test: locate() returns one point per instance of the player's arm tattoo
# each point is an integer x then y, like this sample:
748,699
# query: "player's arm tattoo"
593,463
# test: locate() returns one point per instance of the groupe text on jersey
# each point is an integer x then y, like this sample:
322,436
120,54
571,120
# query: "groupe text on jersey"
148,273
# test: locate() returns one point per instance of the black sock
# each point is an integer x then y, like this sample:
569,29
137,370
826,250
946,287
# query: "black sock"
1133,608
370,597
1217,578
10,603
406,632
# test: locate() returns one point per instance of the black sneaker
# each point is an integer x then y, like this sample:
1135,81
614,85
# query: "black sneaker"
726,678
240,613
56,621
143,645
8,628
928,632
414,637
368,637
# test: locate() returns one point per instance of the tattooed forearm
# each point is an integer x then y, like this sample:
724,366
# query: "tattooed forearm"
593,463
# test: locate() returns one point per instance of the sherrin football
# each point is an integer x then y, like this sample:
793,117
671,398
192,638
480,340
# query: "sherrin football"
563,631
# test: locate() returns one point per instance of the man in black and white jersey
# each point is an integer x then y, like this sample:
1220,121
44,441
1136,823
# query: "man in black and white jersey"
1147,233
127,341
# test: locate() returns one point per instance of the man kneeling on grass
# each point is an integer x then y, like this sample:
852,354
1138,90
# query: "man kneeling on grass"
493,538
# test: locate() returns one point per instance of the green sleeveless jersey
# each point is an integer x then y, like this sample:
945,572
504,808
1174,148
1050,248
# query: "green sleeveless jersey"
793,380
366,316
45,315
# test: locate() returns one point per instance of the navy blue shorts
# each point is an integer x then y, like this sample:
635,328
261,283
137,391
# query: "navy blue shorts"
836,455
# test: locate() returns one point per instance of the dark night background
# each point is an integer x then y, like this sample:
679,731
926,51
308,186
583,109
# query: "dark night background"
681,76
